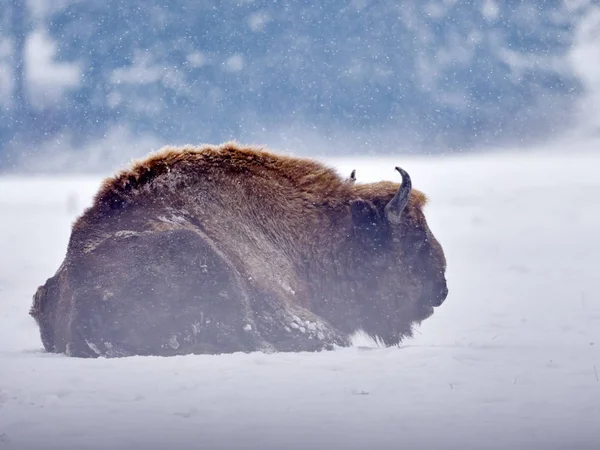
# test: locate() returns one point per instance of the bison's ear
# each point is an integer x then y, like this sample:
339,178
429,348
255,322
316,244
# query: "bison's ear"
365,216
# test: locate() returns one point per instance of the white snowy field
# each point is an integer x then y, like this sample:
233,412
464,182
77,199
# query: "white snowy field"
511,360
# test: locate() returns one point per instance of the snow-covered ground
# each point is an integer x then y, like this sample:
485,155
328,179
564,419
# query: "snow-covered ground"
511,360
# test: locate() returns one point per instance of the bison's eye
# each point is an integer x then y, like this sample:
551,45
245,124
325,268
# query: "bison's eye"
414,240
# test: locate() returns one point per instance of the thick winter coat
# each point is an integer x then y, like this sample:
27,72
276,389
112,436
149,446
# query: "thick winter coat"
227,248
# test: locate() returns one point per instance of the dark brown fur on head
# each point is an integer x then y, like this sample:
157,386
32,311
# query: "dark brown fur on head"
289,234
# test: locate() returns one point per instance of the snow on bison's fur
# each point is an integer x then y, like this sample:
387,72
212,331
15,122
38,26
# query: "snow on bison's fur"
228,248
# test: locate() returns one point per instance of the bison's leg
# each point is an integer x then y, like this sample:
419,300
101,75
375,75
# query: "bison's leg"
158,293
287,327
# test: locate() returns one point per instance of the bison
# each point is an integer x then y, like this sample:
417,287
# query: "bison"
230,248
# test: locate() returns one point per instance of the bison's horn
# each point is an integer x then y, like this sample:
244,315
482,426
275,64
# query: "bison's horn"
352,178
394,208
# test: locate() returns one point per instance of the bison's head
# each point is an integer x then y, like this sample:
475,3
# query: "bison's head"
401,263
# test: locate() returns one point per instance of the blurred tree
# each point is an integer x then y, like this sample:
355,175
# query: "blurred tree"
18,26
437,76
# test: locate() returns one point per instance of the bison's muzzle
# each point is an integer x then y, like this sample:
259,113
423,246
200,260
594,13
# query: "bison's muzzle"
440,294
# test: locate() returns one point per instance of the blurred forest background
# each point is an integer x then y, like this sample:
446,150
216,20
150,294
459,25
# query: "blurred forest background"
87,84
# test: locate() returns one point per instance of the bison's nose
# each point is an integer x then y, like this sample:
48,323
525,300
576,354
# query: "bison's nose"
440,295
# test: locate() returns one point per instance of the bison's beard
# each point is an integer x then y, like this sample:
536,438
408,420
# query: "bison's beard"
423,312
393,329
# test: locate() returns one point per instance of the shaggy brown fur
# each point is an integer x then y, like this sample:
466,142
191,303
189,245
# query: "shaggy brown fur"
232,248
